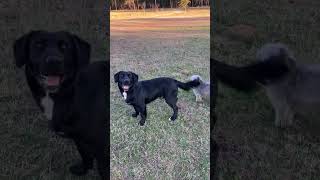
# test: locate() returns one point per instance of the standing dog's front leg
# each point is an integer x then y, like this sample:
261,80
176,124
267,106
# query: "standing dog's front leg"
102,162
136,113
82,167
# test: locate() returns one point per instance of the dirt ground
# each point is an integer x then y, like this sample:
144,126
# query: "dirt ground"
160,13
164,27
153,47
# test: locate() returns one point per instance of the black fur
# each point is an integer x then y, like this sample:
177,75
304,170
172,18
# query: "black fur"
141,93
247,78
80,105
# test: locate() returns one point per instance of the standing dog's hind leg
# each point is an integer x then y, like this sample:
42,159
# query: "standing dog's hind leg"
173,104
143,114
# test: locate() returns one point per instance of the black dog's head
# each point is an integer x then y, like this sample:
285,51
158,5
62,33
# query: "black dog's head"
51,57
125,79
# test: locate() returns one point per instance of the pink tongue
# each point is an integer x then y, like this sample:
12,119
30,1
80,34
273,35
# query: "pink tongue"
53,80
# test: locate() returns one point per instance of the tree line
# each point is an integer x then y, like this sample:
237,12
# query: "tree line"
146,4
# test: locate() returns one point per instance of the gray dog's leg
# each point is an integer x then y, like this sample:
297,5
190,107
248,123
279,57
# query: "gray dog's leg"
284,114
198,96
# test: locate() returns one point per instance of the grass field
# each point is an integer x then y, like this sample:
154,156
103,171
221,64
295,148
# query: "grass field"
27,149
161,149
251,147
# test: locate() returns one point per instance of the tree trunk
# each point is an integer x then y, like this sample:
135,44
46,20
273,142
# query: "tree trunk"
219,10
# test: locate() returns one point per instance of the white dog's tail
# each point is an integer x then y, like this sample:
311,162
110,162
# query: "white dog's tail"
274,61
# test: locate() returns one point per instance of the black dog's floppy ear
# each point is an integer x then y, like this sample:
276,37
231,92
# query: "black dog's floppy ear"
116,77
21,49
82,51
135,77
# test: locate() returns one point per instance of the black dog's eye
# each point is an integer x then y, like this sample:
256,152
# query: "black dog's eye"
40,44
129,75
63,45
121,75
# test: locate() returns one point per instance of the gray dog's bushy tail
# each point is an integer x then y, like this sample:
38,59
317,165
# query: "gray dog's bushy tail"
274,61
188,85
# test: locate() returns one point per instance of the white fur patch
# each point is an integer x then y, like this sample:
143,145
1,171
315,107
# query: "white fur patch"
124,95
47,104
195,77
272,49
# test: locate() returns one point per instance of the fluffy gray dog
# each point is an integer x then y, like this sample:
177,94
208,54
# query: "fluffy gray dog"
292,87
202,92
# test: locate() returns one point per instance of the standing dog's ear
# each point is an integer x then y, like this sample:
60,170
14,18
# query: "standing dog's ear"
21,49
135,77
82,50
116,77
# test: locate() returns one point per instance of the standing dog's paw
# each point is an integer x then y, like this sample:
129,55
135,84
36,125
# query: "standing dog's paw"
172,119
79,169
141,123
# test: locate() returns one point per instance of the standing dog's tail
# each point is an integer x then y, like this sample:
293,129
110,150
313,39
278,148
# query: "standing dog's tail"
275,61
188,85
236,77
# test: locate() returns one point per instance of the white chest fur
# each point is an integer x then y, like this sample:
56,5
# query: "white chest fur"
124,95
47,104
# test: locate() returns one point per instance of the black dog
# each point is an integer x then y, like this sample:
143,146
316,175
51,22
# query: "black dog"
70,92
138,94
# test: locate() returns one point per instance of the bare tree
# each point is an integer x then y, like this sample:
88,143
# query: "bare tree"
130,4
134,4
184,4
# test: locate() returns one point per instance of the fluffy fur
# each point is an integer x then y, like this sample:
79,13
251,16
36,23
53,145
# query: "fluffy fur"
292,88
202,92
140,93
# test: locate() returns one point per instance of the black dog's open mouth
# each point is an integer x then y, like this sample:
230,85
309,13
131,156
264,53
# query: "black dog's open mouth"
52,82
125,88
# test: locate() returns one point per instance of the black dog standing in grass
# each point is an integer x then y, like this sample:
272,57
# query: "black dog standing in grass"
69,91
139,94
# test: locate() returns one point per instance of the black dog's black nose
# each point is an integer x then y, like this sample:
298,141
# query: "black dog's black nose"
53,59
126,81
53,65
